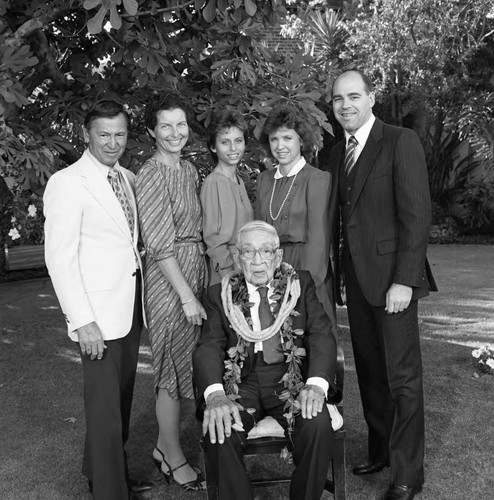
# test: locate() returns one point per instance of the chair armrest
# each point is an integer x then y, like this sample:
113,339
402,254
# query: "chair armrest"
337,398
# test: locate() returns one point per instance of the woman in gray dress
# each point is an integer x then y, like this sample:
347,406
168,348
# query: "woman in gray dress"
225,204
174,273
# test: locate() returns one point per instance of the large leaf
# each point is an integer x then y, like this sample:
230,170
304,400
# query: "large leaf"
115,19
209,11
94,25
250,7
17,60
131,6
91,4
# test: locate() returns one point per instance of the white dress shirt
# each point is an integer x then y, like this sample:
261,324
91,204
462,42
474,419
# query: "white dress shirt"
362,134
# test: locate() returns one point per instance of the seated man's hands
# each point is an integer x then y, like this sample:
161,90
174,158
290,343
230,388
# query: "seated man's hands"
311,399
218,417
91,340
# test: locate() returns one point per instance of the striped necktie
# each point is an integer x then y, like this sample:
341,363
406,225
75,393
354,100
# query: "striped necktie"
116,184
271,348
350,154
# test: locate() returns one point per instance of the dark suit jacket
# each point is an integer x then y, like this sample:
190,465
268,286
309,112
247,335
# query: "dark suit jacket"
390,213
217,337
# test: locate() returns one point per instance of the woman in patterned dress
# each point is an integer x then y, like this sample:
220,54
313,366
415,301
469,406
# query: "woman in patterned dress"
225,204
174,273
294,198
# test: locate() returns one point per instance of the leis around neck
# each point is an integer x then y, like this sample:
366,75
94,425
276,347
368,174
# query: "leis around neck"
235,299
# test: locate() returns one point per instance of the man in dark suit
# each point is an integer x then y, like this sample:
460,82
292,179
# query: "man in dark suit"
225,424
381,196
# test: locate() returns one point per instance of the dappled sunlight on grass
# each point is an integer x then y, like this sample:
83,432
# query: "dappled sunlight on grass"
145,364
460,341
69,355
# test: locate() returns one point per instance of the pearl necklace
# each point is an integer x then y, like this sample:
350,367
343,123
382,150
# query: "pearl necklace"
284,201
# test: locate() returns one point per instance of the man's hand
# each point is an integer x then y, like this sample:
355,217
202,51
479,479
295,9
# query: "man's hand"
311,399
398,298
218,417
91,340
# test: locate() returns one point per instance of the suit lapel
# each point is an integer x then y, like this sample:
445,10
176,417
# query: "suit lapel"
366,161
101,191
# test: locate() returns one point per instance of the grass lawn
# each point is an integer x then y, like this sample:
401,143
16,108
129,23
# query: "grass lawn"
42,420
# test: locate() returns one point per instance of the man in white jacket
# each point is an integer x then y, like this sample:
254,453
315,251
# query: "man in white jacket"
91,235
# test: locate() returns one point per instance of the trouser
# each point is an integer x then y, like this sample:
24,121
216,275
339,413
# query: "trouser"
388,361
108,392
312,441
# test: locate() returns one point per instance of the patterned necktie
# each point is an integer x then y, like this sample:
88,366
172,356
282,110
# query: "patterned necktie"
116,184
350,154
271,348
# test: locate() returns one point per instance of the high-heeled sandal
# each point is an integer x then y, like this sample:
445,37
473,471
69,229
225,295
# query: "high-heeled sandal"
197,484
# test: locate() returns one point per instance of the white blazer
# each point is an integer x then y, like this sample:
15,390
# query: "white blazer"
90,252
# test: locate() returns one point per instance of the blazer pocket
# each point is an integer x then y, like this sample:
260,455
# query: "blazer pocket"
387,246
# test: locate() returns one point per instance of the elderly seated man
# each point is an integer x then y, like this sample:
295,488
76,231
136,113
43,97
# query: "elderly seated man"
267,348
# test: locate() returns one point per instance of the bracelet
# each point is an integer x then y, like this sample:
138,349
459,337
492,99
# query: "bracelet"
187,301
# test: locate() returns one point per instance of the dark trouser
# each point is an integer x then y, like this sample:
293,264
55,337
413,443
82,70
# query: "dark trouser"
312,441
108,391
389,369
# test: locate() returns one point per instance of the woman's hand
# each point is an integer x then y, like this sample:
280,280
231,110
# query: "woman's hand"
194,312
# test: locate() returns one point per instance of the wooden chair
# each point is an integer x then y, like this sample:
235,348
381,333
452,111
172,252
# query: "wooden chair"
268,445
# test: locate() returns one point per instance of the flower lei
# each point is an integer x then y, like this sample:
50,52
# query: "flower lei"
235,299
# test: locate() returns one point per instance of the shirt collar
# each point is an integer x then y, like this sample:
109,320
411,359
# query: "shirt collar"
252,289
104,169
294,171
362,134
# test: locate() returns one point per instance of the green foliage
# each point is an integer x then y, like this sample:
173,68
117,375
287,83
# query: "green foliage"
475,123
26,224
431,60
475,207
62,56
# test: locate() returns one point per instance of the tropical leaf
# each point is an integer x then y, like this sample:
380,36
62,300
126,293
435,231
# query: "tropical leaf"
94,25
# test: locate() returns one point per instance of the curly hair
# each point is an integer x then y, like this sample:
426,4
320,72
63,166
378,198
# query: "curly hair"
290,117
165,102
222,119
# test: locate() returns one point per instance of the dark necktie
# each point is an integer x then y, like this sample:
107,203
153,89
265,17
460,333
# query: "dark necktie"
116,184
350,154
271,348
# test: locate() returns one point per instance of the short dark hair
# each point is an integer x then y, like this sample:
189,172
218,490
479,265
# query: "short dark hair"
288,116
165,102
221,119
105,108
368,85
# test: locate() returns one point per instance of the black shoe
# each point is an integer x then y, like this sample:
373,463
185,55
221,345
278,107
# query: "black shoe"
401,492
139,486
370,467
197,484
135,485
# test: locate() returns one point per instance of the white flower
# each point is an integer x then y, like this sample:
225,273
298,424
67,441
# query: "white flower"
14,234
31,210
476,353
13,220
490,363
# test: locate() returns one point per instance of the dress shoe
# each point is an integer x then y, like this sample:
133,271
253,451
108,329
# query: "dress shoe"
197,484
370,467
135,485
401,492
139,486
